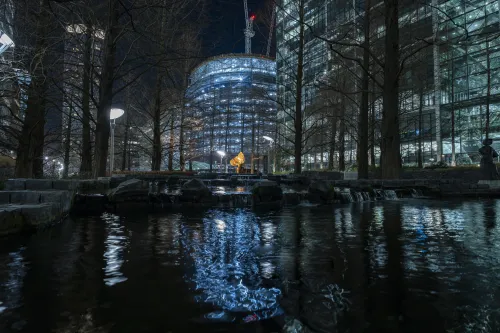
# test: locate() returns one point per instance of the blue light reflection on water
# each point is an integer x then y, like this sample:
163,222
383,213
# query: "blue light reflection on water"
227,270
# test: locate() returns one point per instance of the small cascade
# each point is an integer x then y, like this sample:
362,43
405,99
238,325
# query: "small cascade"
390,195
234,199
346,197
306,203
358,196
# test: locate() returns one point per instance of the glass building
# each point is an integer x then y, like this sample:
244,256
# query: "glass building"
232,103
449,90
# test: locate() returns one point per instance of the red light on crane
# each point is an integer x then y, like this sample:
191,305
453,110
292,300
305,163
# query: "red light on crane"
252,17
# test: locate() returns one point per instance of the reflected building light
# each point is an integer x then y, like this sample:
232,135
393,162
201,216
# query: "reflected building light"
227,270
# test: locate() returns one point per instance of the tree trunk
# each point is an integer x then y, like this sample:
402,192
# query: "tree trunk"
252,154
298,93
156,157
364,110
420,112
86,165
106,92
372,133
488,87
333,142
30,147
390,161
125,140
67,141
453,157
171,145
342,135
182,160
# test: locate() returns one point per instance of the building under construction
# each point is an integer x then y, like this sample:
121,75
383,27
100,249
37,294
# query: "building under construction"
232,103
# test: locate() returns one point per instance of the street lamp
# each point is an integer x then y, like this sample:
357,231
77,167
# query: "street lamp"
271,141
222,154
5,42
113,115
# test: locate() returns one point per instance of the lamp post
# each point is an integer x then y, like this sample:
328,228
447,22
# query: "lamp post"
113,115
271,141
221,154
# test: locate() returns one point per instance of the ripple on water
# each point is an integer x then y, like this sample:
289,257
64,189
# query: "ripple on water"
410,265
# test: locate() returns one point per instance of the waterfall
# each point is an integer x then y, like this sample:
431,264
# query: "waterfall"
346,197
358,196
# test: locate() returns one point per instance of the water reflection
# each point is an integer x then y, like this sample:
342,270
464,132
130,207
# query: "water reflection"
116,243
13,286
227,272
401,266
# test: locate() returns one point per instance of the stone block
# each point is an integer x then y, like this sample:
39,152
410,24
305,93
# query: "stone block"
25,197
40,215
65,185
93,186
11,220
15,184
4,197
62,200
490,183
39,184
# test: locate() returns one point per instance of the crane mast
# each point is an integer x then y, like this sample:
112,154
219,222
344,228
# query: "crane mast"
271,28
249,33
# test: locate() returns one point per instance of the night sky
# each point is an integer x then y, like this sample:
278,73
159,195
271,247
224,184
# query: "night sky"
224,33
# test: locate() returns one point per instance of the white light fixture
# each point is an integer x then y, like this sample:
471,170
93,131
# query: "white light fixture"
6,40
221,153
115,114
268,138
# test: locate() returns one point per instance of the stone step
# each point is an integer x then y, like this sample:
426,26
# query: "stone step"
40,184
16,218
61,199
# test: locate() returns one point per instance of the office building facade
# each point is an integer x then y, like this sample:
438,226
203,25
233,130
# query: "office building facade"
449,88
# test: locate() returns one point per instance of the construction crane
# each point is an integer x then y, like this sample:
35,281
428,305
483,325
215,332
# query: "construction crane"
271,29
249,33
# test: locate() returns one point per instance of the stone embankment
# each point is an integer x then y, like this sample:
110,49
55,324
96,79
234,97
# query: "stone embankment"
28,204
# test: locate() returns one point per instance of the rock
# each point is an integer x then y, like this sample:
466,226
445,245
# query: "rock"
319,191
195,191
130,190
266,192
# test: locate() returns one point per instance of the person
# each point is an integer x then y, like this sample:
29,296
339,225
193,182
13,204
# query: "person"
488,167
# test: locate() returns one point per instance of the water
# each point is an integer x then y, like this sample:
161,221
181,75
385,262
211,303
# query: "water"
384,266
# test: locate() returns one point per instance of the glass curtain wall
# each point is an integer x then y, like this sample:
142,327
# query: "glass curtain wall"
233,97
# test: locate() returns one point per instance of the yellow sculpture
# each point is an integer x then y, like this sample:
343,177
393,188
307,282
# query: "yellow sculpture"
238,161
